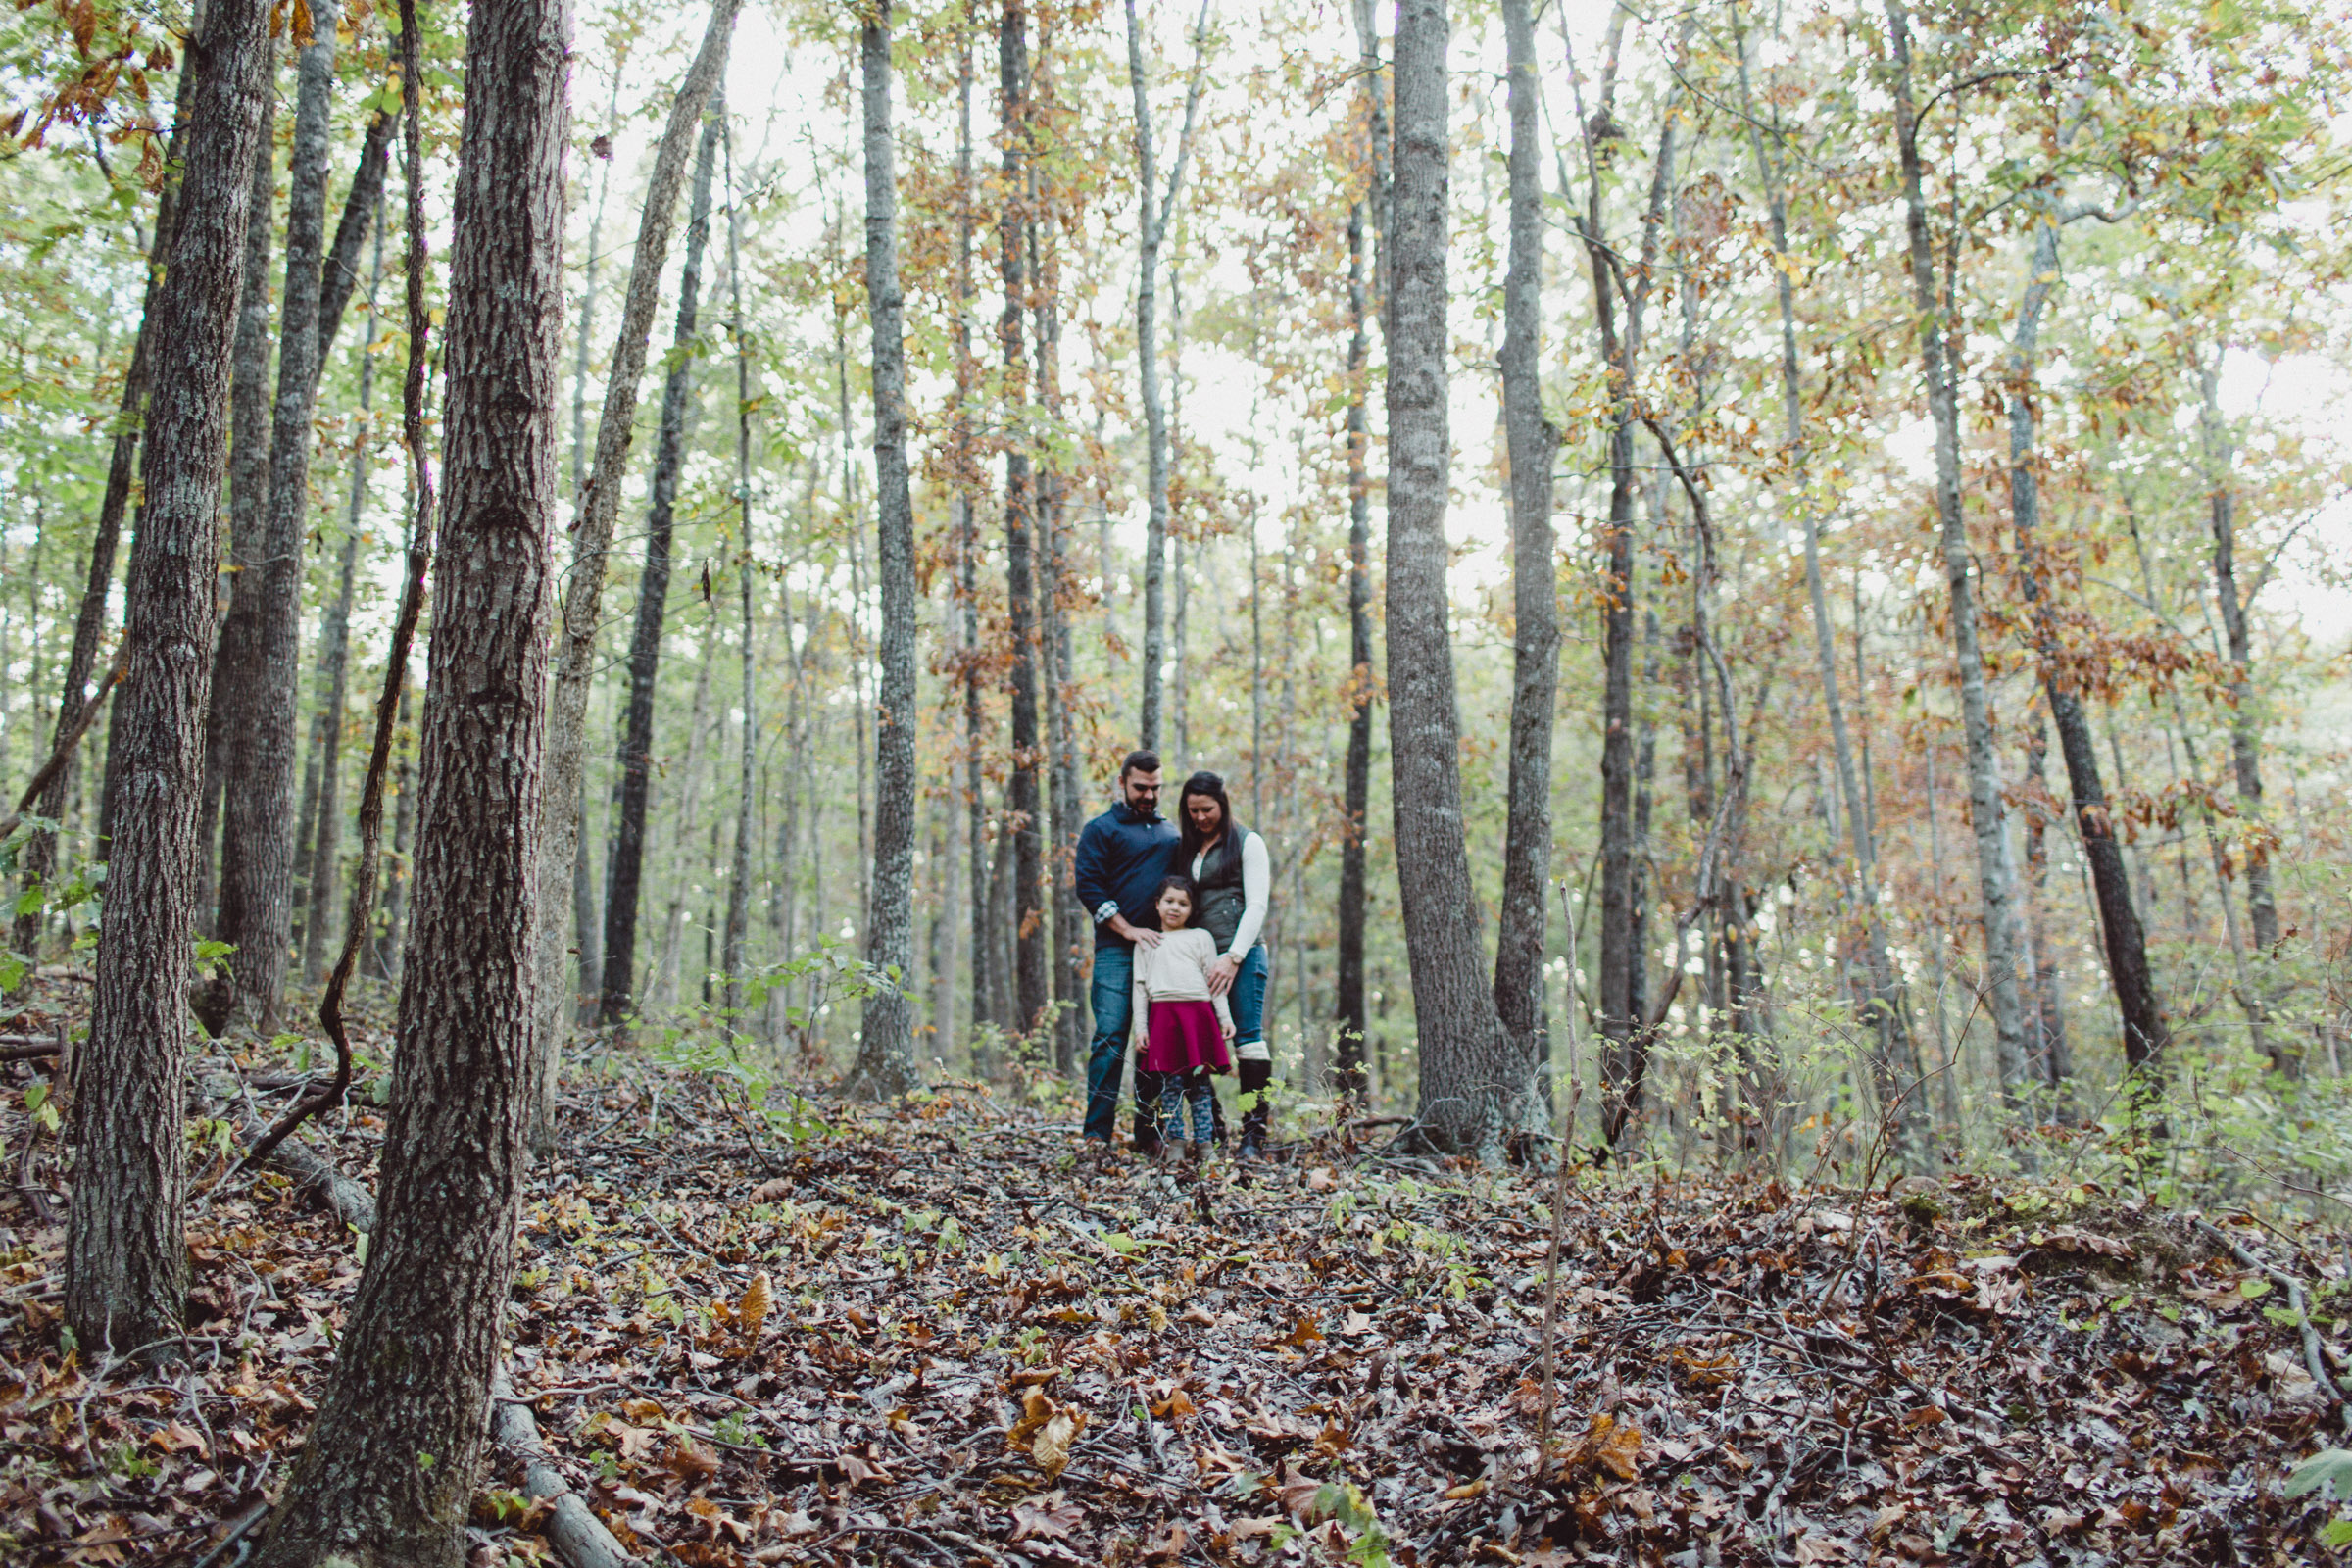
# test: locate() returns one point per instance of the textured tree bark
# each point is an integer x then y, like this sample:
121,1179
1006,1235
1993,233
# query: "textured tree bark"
1474,1086
2146,1032
624,878
1895,1057
237,670
126,1257
592,539
1531,440
258,791
1348,977
389,1470
1027,827
885,1066
1996,872
1157,209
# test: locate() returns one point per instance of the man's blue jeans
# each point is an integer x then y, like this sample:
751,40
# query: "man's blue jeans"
1114,1001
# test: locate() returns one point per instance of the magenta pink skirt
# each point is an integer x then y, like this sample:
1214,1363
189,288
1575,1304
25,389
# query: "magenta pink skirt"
1185,1035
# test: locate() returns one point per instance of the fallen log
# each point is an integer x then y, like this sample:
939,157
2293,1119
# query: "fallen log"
351,1201
578,1536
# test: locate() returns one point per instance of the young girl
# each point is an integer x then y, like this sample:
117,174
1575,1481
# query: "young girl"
1184,1027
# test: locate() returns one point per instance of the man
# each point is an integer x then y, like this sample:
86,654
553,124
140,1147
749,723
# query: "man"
1122,854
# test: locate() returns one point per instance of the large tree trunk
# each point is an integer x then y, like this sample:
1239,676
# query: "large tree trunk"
1027,828
2146,1032
1531,440
625,877
592,539
126,1258
1996,872
419,1344
1895,1054
236,668
1473,1085
258,791
885,1066
1348,977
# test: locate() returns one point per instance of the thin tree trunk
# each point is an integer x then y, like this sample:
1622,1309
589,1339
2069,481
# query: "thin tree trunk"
419,1344
335,644
1348,980
592,539
1070,949
968,562
1031,937
2048,1059
2146,1031
885,1066
39,855
1158,207
624,876
258,848
1625,1044
1894,1056
1996,872
684,822
1474,1087
739,877
2245,716
125,1256
1531,440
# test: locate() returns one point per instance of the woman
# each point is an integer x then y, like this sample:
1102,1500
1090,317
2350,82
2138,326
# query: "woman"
1230,867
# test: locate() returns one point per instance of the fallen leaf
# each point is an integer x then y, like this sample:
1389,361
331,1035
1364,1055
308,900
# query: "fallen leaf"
1050,1515
751,1312
1045,1430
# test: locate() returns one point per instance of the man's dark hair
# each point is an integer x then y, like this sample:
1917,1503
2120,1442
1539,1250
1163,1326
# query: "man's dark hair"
1139,762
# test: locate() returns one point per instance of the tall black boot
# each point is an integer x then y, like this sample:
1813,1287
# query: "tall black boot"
1258,1084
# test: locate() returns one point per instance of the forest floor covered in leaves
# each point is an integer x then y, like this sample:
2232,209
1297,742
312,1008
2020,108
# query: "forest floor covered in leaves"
944,1336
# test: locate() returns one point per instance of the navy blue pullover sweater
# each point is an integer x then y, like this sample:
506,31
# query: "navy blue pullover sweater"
1122,856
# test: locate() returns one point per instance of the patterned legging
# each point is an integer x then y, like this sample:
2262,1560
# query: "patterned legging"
1188,1091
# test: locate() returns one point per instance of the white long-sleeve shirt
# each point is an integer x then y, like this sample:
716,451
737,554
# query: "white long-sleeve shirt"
1176,970
1257,888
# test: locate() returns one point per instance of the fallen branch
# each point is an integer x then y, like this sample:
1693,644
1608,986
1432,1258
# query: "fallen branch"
350,1201
2313,1361
576,1534
13,1052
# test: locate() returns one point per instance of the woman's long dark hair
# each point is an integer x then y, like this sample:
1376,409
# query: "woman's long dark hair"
1193,840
